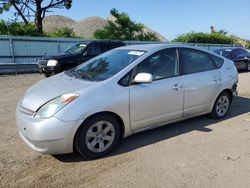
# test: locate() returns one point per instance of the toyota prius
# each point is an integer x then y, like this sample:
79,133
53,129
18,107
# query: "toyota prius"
91,107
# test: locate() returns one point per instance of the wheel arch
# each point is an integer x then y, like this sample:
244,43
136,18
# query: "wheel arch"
227,90
121,123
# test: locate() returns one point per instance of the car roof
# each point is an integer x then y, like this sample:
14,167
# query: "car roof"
229,48
153,47
101,41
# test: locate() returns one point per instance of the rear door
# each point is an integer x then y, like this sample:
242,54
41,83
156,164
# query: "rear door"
202,80
106,47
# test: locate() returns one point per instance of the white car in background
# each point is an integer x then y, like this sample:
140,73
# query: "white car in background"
121,92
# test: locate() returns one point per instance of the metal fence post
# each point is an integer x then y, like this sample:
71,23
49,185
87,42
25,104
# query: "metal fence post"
12,51
58,46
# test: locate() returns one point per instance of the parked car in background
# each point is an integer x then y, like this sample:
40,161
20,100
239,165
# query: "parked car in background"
239,56
124,91
75,55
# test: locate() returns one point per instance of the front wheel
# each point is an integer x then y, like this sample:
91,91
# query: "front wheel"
221,106
47,75
248,67
97,136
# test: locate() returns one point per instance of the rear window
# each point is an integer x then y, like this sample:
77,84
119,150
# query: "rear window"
194,61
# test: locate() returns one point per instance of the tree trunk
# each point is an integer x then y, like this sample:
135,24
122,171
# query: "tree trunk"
38,18
39,24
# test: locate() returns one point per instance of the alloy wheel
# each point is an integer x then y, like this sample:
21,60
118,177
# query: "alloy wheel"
100,136
222,105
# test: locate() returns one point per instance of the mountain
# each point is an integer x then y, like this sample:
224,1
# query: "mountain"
84,28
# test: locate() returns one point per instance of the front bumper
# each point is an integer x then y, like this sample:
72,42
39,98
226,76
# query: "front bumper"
47,136
234,89
47,70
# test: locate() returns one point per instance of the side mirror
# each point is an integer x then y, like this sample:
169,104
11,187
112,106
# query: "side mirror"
143,78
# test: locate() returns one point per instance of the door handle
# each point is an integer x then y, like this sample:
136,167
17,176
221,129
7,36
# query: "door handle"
217,80
177,87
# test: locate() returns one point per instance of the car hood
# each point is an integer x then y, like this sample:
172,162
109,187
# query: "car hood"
50,88
241,58
59,56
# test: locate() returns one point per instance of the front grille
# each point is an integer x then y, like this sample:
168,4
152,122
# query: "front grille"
26,111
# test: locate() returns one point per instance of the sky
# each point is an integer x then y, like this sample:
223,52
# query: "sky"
170,17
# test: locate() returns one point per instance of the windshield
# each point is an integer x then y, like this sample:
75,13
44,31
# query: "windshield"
223,52
106,65
76,48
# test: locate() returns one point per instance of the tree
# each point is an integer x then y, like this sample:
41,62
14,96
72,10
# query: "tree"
17,28
223,31
212,38
25,9
65,32
121,27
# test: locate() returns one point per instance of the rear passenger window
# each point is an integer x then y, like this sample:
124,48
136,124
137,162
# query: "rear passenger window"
218,61
94,49
105,47
193,61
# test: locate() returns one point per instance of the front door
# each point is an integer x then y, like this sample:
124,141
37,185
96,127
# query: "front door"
161,100
93,50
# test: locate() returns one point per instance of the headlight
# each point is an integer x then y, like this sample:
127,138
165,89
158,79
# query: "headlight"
52,107
52,63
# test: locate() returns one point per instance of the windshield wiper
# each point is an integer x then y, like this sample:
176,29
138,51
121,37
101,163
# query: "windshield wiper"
85,76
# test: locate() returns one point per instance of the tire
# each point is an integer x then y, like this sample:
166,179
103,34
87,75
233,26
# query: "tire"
97,136
221,106
46,75
248,67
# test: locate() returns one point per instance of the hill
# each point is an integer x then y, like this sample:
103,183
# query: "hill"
84,28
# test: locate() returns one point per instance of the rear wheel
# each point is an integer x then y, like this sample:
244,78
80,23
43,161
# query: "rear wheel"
221,106
97,136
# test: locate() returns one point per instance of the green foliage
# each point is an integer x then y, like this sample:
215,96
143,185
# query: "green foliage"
18,28
21,29
222,31
64,32
5,5
67,4
3,28
37,9
123,28
148,36
212,38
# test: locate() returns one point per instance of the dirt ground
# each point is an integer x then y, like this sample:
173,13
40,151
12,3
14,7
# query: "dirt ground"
199,152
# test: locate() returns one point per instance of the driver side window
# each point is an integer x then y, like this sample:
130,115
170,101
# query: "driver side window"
162,64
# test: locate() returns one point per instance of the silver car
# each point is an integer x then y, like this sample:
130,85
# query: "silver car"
121,92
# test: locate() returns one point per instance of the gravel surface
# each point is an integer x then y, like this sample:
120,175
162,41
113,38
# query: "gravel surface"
199,152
